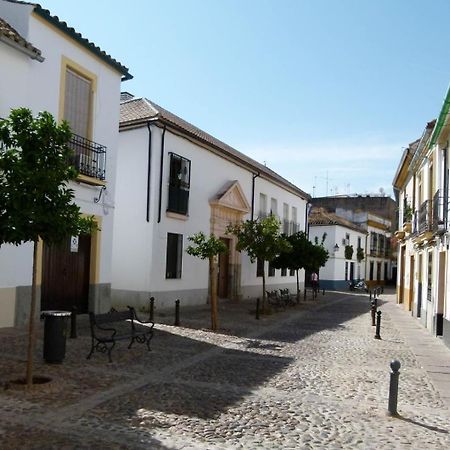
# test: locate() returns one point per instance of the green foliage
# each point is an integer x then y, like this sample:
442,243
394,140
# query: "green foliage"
260,238
407,213
348,251
297,257
35,200
204,247
359,254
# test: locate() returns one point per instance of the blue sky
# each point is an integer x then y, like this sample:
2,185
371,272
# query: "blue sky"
316,89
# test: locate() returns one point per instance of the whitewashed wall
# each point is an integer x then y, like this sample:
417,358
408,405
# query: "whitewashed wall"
140,247
37,86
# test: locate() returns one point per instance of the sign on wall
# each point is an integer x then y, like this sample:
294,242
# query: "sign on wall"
74,244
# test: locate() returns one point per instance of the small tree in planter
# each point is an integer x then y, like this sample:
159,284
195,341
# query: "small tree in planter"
261,239
348,251
208,248
35,201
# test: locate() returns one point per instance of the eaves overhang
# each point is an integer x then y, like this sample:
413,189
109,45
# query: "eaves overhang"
443,120
69,31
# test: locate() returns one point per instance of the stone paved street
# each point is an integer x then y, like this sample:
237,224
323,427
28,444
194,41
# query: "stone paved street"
310,377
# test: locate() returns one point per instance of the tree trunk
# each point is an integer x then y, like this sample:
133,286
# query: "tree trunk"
31,337
264,287
298,287
213,282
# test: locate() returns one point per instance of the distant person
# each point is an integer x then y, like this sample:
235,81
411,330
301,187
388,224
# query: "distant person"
315,282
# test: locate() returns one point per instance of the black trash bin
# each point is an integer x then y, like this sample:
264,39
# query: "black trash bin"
55,330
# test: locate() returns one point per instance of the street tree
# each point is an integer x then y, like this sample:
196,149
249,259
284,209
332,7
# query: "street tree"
36,202
297,257
260,239
209,248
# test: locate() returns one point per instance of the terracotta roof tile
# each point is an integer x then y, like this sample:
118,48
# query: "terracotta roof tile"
322,217
139,110
7,31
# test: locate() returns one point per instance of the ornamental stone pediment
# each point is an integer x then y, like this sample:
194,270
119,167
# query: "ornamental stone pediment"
231,196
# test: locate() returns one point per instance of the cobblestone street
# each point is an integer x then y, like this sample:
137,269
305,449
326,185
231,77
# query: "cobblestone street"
312,376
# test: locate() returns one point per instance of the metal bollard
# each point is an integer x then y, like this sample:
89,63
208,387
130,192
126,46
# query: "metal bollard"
370,294
373,311
152,309
73,323
376,302
393,387
377,330
257,309
177,313
323,291
304,295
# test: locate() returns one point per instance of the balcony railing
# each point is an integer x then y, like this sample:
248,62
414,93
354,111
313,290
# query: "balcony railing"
89,158
440,210
425,217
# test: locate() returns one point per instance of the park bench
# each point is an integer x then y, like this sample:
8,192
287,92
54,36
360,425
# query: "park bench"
108,328
286,297
274,299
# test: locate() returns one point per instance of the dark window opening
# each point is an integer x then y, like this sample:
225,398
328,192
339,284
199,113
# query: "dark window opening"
179,184
174,255
283,272
271,270
259,267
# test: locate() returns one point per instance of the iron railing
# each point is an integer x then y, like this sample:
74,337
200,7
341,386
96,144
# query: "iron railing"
89,158
440,210
425,217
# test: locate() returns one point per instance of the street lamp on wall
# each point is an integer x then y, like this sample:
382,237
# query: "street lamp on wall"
336,248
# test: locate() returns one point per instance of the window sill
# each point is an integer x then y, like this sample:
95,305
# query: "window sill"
90,180
173,215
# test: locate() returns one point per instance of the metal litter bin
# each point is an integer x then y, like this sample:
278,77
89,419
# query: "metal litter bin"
55,331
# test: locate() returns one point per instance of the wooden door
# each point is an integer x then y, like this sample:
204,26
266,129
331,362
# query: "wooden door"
224,265
65,276
411,283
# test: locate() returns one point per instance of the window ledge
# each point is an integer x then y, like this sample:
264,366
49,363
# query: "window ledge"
90,180
173,215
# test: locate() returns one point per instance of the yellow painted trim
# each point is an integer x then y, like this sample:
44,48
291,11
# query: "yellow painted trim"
40,262
74,42
94,274
374,224
90,180
67,63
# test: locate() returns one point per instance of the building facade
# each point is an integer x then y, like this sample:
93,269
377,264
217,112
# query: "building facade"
51,67
346,245
173,181
421,183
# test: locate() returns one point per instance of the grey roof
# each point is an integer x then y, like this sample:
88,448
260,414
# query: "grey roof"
62,26
137,111
11,34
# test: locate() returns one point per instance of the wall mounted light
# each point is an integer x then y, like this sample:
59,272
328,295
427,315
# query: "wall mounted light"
336,248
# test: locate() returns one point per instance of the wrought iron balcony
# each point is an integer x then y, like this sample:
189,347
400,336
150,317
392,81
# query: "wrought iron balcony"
440,210
89,158
425,217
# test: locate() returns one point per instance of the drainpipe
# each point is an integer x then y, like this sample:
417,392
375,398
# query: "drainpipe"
254,176
149,166
161,165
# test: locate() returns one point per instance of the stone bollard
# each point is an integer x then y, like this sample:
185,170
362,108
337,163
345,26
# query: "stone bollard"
152,309
257,309
73,323
377,330
373,311
177,313
393,387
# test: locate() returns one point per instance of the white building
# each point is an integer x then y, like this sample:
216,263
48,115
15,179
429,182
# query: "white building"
175,180
46,65
344,265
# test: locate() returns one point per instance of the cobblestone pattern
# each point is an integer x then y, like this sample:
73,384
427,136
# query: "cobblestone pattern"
309,378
